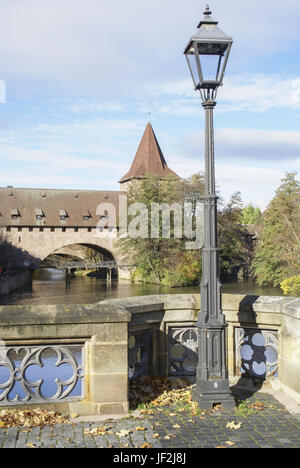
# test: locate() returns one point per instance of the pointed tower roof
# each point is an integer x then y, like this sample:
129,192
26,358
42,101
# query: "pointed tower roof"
148,159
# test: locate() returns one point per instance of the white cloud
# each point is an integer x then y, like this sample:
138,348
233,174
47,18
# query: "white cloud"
38,179
241,92
112,47
256,184
86,106
249,145
260,93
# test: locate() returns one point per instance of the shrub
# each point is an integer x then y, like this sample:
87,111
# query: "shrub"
291,286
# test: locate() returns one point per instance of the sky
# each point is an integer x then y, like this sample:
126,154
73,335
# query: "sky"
79,77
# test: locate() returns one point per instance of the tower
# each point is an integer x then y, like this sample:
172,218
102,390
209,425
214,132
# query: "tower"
149,159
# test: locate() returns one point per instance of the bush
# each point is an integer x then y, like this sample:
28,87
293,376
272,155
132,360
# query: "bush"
291,286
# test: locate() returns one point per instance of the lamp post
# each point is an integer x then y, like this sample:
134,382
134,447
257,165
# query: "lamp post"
207,54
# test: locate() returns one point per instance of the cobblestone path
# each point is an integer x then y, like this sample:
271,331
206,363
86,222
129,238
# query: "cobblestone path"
267,424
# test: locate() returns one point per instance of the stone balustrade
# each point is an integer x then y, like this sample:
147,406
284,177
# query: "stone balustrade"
156,335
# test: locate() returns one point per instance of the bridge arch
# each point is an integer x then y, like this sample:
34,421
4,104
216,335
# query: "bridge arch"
84,251
36,246
54,244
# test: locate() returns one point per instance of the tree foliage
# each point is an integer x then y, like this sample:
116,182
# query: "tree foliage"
231,235
278,252
291,286
250,215
163,260
166,260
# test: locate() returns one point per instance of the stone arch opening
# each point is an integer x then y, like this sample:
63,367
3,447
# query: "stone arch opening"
68,256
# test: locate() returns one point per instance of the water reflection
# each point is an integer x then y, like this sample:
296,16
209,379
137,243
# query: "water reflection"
49,287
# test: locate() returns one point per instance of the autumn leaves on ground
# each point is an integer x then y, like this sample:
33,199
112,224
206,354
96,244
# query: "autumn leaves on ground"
147,395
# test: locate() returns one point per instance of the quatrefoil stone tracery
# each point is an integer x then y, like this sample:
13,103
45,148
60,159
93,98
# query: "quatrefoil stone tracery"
17,360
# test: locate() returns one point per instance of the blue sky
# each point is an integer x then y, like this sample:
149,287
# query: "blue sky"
81,76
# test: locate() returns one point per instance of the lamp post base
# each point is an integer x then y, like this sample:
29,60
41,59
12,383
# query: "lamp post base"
210,393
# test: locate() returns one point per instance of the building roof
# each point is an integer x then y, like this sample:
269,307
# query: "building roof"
149,159
50,207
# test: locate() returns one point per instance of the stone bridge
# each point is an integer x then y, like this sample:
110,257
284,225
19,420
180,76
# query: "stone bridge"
34,246
39,223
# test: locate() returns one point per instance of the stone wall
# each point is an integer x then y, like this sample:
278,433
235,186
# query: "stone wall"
10,282
40,242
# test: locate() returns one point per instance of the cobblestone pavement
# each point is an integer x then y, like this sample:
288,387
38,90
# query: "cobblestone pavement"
270,425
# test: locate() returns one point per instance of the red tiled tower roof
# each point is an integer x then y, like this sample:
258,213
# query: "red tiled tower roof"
148,159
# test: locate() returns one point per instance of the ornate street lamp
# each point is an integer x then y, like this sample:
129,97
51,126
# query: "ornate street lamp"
207,54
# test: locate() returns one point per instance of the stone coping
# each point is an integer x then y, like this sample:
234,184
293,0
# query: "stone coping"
230,302
62,314
122,309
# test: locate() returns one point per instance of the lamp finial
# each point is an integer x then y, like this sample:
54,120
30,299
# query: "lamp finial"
207,11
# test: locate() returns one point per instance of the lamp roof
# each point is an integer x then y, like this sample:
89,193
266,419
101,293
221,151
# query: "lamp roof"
208,32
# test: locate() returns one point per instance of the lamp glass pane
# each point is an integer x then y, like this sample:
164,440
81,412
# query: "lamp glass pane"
210,67
193,68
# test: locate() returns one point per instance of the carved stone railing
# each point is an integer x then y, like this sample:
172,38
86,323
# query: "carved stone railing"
263,337
89,353
73,357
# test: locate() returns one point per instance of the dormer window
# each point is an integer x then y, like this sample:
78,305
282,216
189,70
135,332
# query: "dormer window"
39,214
63,215
15,214
105,215
86,215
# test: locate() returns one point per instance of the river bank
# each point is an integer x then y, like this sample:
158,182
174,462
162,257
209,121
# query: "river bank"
9,282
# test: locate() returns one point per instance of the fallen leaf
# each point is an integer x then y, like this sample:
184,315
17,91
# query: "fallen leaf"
234,425
176,426
30,418
123,433
140,428
146,445
155,436
96,431
229,443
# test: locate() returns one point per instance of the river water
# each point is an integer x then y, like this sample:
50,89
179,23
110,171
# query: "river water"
49,287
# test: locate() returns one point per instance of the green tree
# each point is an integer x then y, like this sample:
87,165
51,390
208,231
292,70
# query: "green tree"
155,258
278,252
166,260
231,235
250,215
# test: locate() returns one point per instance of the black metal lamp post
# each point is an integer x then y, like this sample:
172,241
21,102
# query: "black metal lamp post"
207,54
